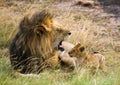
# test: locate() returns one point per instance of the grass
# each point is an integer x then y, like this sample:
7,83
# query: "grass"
93,35
55,77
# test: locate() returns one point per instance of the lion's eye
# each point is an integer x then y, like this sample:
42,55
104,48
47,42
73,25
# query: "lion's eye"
69,33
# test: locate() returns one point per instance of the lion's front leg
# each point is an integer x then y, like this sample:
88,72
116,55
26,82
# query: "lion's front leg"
53,61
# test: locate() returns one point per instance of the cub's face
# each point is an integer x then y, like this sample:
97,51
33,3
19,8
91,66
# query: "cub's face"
60,35
75,51
78,51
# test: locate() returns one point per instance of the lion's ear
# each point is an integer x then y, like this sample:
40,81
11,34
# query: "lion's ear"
25,24
46,27
82,49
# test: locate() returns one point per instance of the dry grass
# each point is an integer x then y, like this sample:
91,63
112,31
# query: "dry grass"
93,35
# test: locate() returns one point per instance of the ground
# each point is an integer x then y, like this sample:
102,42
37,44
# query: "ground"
98,29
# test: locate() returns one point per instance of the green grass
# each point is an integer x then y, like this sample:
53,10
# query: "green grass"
56,77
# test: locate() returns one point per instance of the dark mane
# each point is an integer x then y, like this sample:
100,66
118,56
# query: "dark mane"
32,44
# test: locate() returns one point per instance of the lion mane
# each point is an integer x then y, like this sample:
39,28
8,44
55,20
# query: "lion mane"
32,45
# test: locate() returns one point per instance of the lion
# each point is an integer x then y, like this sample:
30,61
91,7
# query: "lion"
94,60
32,49
59,35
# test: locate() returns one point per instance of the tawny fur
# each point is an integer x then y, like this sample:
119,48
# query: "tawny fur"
94,60
33,49
69,61
64,56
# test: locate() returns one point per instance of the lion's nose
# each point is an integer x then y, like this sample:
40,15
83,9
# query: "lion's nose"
69,33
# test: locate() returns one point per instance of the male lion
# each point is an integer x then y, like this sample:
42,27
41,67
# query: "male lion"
94,60
33,49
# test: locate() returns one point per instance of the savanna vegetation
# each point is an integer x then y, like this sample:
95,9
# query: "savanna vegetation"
97,28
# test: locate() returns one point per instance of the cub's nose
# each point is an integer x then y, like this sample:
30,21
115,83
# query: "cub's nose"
69,33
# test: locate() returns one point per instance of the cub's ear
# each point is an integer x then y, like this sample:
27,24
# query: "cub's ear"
25,24
82,49
78,45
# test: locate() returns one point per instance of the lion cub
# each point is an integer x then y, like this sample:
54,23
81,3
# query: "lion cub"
64,48
94,60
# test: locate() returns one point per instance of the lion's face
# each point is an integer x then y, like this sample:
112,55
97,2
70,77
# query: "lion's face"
78,51
60,35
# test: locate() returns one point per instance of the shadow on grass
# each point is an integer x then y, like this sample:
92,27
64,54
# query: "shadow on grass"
111,6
